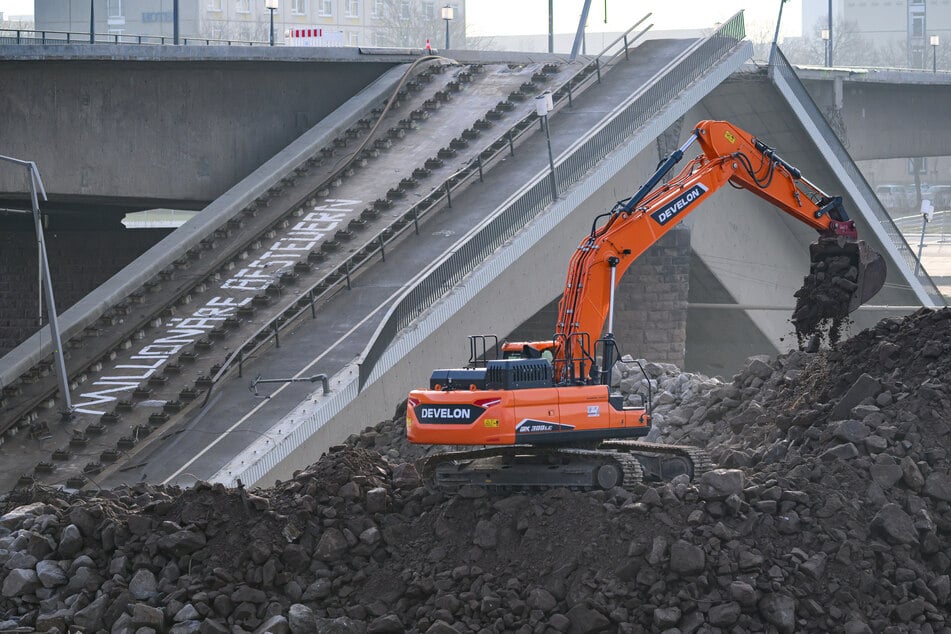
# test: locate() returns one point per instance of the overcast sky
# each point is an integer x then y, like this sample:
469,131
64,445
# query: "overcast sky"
522,17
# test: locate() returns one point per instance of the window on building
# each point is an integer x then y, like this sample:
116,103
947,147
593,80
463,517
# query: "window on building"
114,8
326,8
214,5
243,6
917,26
429,9
404,10
353,38
379,10
352,8
299,7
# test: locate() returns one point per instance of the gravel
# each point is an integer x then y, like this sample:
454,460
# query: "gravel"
830,511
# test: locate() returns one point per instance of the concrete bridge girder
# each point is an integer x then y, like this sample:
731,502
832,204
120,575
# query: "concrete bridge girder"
882,120
160,130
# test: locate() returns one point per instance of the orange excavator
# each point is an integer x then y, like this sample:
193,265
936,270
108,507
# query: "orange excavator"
543,414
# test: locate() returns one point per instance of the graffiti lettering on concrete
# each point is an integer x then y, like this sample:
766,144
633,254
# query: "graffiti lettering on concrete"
177,333
287,250
180,332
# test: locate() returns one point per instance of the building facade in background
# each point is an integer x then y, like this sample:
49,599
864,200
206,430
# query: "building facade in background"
405,23
896,33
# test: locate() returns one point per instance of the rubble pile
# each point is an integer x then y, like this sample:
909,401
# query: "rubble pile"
830,512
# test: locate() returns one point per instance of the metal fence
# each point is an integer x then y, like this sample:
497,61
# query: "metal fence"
788,73
44,37
661,91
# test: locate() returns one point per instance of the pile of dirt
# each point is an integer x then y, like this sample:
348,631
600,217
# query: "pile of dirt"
831,512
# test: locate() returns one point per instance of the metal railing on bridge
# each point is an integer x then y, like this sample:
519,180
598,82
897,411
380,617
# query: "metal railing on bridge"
660,91
46,37
907,254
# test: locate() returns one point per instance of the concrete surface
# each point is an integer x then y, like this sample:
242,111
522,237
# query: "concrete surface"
884,114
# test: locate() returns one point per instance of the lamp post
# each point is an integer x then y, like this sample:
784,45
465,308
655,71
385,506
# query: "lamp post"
271,5
772,49
830,34
824,34
36,182
447,15
934,41
543,105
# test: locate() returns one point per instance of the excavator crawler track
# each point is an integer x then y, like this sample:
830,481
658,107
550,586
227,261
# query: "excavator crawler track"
695,460
525,467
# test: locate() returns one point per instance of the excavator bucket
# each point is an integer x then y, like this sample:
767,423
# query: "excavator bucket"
843,275
852,266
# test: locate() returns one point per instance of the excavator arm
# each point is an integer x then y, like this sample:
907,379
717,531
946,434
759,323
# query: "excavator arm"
619,237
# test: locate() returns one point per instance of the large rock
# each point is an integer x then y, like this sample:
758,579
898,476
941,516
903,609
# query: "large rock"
144,615
541,599
90,617
686,559
332,545
70,542
895,525
864,387
584,620
143,585
719,484
938,486
13,519
301,619
779,610
20,582
724,614
667,617
180,543
851,430
50,574
886,475
277,624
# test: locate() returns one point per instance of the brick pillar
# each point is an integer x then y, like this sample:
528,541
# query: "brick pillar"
650,315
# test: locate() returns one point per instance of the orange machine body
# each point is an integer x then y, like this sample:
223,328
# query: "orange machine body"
553,415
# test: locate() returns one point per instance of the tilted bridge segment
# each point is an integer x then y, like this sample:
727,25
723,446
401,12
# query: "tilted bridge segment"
504,258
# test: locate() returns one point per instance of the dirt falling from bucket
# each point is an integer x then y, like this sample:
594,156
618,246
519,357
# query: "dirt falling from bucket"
822,303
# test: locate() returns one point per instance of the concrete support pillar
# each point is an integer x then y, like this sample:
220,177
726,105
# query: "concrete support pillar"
651,307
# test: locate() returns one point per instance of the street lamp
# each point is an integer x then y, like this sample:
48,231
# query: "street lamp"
934,41
271,5
824,34
543,105
447,15
36,182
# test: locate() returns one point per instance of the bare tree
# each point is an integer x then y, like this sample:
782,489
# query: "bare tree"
409,23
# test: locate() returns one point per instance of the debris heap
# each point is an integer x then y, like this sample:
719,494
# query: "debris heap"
831,512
